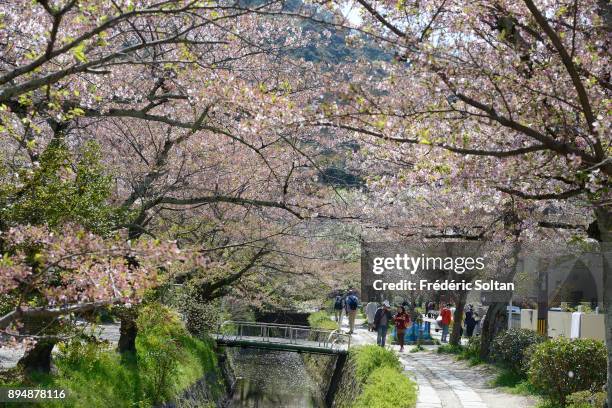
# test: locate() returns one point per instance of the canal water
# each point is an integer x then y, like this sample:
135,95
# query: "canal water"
272,379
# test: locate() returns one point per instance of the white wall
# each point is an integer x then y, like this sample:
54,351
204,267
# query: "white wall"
559,324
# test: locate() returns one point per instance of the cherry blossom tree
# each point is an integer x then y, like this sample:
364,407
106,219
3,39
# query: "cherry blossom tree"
518,90
192,105
47,275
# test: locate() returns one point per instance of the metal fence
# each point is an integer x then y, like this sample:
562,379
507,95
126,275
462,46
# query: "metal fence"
283,334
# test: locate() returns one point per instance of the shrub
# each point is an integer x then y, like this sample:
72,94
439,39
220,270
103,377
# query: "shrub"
450,349
79,354
510,347
387,388
321,320
471,351
368,358
161,320
473,346
561,367
200,316
374,379
159,349
586,399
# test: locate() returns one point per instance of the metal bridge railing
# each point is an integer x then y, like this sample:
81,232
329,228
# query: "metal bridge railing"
283,334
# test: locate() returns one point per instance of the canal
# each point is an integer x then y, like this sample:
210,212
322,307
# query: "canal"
272,379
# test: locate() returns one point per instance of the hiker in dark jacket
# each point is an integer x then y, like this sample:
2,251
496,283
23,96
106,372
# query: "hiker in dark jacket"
381,322
470,321
352,304
338,306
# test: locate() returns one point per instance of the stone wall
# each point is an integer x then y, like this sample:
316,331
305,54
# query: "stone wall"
348,388
320,368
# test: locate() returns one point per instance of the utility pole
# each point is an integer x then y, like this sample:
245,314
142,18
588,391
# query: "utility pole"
542,302
510,312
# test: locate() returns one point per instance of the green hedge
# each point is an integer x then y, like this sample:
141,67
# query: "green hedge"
368,358
512,348
564,371
586,399
386,387
561,367
377,372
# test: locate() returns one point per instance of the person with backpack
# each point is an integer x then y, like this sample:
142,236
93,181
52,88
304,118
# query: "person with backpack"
352,304
381,323
338,306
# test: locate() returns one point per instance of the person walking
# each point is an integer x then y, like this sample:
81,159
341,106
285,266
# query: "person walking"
470,321
431,306
338,306
370,310
401,321
352,304
478,326
445,321
381,323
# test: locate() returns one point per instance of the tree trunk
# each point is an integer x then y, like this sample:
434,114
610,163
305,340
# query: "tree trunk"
127,334
495,321
496,318
455,337
38,358
604,223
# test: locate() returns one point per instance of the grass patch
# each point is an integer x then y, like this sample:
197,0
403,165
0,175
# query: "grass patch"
470,354
417,348
322,320
547,404
167,361
513,382
471,359
450,349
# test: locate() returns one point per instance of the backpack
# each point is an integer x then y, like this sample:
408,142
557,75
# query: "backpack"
352,302
338,303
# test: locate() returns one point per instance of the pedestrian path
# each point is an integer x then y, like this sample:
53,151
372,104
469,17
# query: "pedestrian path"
444,382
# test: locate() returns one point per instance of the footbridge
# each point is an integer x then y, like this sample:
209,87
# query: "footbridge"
273,336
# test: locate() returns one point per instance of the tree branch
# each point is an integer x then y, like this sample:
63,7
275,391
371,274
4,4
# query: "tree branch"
545,196
566,59
19,313
222,199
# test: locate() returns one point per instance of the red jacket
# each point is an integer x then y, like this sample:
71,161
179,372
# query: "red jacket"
401,320
446,315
